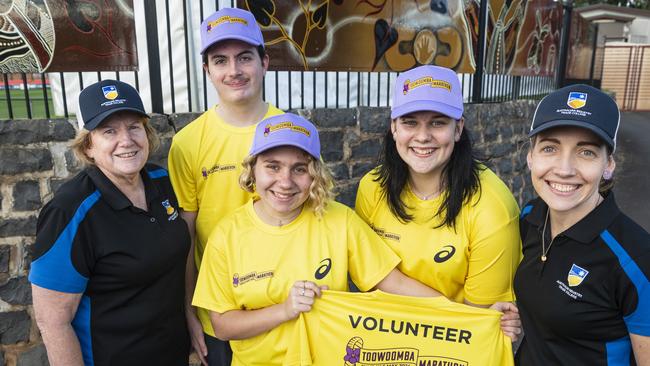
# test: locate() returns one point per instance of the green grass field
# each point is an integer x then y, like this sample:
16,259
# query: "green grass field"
19,107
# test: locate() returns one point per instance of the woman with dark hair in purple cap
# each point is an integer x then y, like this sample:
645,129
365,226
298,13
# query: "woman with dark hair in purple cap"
582,287
451,220
109,257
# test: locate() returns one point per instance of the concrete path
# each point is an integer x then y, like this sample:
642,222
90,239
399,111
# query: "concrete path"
632,175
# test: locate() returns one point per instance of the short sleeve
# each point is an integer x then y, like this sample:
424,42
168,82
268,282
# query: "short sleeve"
494,249
61,257
213,286
370,260
633,294
182,177
366,201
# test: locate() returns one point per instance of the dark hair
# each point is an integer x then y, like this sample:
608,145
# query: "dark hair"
460,177
260,51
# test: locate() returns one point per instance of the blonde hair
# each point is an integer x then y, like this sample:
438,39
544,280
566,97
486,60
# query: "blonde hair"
83,141
320,190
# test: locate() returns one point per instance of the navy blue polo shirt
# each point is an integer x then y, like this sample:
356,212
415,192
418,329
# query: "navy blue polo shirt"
579,307
128,263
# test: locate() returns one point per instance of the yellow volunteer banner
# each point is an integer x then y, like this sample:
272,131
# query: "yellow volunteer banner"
380,329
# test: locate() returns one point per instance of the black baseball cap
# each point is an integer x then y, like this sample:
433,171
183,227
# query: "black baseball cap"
100,100
581,106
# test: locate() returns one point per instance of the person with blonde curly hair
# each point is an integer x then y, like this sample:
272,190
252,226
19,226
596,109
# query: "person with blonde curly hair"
268,261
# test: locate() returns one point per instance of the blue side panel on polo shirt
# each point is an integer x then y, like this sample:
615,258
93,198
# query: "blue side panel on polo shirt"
619,352
157,173
81,326
638,322
526,210
54,269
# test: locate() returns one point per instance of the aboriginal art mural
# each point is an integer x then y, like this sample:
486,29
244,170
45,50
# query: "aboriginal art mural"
396,35
67,35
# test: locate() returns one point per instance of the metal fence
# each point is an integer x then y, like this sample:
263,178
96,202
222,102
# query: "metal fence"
174,83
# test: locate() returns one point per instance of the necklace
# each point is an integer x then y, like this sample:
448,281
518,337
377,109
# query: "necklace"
544,249
424,197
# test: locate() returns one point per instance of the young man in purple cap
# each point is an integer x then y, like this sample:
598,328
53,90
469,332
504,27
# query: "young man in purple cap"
205,157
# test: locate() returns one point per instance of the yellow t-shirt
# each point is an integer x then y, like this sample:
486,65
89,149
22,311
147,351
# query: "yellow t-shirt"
380,329
251,265
477,262
204,167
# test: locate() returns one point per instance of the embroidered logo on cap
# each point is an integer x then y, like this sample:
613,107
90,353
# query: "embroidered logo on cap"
110,92
282,125
577,100
576,275
224,19
424,81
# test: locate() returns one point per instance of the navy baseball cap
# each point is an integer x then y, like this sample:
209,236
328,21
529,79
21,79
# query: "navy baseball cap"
100,100
580,106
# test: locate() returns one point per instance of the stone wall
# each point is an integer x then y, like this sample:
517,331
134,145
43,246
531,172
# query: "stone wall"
35,161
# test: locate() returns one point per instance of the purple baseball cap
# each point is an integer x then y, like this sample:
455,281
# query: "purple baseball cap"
428,88
286,129
230,23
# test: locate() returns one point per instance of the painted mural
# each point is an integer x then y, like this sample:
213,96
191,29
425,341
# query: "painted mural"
364,35
394,35
66,35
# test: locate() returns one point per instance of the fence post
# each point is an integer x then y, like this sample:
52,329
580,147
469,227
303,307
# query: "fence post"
567,6
153,54
477,84
593,54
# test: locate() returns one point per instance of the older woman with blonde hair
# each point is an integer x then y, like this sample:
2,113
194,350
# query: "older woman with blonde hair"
109,258
267,262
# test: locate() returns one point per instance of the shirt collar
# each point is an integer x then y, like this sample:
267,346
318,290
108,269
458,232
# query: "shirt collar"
113,196
588,228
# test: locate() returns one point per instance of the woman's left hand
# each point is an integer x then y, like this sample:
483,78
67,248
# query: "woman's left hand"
510,320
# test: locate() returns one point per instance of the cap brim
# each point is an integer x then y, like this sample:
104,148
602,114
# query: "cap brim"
274,144
93,123
426,105
571,123
248,40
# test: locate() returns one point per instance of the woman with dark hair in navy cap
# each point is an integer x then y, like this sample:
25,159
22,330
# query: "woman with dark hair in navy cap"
582,287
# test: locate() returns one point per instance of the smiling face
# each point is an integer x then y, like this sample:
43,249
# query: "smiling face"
425,140
236,71
282,181
119,146
566,165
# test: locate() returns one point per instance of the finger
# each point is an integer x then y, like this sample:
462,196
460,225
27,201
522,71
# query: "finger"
203,348
316,291
510,316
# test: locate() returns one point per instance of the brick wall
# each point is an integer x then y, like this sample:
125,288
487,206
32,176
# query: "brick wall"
35,160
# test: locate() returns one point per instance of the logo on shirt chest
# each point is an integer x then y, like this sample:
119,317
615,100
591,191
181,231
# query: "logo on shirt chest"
444,254
323,269
576,275
172,214
205,172
238,280
574,278
385,234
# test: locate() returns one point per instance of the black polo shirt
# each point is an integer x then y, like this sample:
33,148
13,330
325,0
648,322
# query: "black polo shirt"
128,263
579,306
